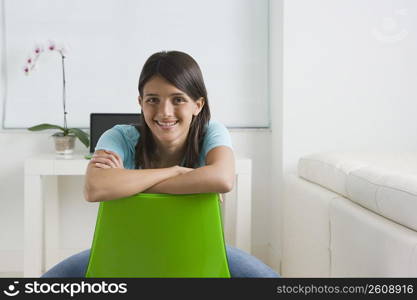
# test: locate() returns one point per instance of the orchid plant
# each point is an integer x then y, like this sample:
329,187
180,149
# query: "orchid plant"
64,131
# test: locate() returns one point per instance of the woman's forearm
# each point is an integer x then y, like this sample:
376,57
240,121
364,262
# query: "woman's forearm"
207,179
113,183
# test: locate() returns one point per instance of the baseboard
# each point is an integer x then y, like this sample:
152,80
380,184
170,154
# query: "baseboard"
11,261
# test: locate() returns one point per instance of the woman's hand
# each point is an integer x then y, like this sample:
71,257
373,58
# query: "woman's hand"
106,160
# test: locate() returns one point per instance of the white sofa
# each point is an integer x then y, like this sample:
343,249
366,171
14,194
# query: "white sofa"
351,215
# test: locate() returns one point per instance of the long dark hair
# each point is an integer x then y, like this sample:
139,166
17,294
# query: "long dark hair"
182,71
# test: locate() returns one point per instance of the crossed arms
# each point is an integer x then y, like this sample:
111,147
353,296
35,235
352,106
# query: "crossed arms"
106,179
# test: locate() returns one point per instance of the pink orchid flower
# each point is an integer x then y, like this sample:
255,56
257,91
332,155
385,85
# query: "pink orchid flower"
32,59
38,50
31,63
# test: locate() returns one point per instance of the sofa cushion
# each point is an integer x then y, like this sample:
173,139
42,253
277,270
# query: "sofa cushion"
385,183
329,170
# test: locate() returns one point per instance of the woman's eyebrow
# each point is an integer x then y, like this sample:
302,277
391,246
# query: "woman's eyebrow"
173,94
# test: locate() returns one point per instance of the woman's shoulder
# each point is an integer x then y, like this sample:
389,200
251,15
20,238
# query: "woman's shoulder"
214,125
216,133
129,132
120,139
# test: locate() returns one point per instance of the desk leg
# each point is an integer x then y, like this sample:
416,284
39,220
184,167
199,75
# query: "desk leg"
244,211
229,215
51,222
33,226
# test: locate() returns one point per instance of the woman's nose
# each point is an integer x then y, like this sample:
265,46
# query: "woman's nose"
166,108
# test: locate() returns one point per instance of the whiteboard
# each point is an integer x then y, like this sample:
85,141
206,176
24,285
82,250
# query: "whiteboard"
107,43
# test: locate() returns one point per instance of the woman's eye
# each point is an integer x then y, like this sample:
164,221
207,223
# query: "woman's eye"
179,100
151,100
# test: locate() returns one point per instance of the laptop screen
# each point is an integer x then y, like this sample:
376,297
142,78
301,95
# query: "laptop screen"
100,122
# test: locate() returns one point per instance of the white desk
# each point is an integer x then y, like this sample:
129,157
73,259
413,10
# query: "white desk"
236,207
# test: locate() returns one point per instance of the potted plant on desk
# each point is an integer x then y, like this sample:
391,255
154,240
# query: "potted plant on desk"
65,138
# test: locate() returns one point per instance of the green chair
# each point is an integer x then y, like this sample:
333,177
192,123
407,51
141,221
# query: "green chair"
159,235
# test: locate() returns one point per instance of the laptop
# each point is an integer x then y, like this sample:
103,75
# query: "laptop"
100,122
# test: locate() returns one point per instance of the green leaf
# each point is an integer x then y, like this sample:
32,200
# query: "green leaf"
84,138
45,126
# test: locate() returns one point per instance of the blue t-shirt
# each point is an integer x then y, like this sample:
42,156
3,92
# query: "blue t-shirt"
122,139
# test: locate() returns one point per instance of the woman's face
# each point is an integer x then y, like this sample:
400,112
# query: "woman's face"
168,111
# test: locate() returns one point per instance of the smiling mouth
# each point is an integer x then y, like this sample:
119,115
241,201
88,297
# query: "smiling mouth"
166,125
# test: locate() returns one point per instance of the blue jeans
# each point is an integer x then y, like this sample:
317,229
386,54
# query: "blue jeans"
241,264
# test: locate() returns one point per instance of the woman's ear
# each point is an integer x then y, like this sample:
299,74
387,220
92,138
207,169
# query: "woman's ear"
199,105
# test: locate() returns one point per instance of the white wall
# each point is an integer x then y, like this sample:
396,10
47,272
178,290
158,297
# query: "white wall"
350,70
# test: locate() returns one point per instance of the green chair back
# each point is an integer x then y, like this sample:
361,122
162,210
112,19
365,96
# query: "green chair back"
159,235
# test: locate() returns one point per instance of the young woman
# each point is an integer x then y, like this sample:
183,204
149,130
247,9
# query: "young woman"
175,149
